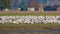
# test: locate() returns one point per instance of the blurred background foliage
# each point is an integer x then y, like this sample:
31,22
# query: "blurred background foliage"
5,3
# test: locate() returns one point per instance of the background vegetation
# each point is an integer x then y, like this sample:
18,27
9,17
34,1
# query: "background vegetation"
5,3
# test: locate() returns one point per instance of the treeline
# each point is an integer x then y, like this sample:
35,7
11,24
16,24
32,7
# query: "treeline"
5,3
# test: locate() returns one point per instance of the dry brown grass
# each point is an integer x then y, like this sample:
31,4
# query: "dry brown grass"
28,12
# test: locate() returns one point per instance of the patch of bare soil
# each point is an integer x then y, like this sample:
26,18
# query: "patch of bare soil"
30,28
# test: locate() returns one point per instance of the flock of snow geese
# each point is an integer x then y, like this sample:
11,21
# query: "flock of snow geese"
29,19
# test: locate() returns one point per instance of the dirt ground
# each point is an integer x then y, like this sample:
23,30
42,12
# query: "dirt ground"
29,29
29,12
29,26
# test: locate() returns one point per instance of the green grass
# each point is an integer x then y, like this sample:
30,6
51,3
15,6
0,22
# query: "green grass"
29,14
56,24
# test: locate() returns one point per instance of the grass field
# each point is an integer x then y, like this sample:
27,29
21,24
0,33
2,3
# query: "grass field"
55,26
29,14
38,26
26,13
23,26
27,28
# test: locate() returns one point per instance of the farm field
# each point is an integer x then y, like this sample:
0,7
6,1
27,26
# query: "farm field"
26,13
43,26
30,28
12,26
27,28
